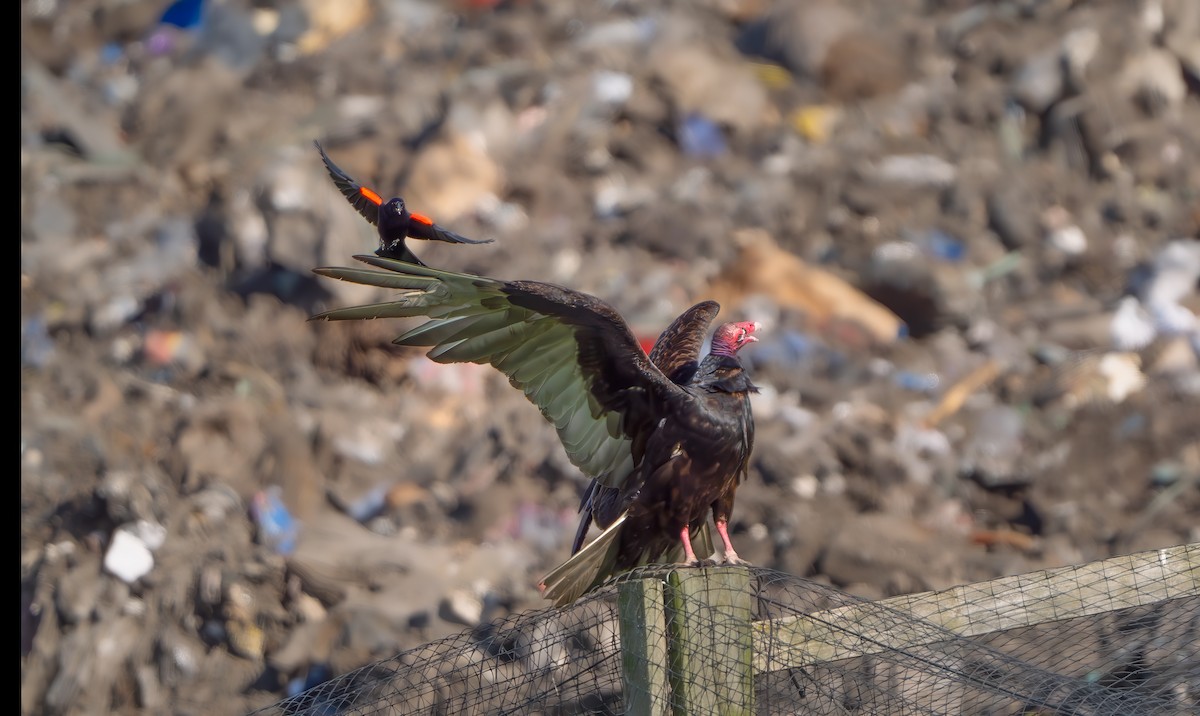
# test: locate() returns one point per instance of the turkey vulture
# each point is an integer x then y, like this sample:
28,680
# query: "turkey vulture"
392,218
665,437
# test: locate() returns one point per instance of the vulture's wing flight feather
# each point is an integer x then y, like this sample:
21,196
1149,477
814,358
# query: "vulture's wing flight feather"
677,351
570,353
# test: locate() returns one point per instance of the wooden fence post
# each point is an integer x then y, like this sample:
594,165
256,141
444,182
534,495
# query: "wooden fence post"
710,642
644,647
687,645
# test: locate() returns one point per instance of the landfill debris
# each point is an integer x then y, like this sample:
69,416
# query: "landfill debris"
130,554
816,122
1175,279
1098,378
700,137
37,347
938,244
327,23
315,675
762,267
997,196
277,528
916,170
1132,327
955,396
462,607
184,14
993,454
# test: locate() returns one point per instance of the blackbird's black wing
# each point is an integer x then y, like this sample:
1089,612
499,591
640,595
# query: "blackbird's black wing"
424,228
365,201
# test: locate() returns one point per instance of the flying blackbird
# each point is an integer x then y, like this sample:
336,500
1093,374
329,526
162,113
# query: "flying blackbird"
393,219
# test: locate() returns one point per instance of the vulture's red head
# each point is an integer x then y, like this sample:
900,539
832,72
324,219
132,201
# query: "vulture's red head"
732,337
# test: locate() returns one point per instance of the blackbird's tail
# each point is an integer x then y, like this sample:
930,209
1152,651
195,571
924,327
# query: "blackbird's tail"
399,251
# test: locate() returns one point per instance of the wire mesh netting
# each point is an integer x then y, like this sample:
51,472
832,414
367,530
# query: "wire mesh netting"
1120,636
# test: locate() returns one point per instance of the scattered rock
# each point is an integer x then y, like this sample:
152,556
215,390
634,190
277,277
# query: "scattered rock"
461,607
993,453
1154,80
895,554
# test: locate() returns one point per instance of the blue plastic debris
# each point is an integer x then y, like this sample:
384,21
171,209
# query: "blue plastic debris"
184,14
112,53
939,244
316,675
369,505
276,527
225,31
917,382
699,136
37,347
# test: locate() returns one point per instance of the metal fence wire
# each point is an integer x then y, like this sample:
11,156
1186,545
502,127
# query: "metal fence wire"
1121,636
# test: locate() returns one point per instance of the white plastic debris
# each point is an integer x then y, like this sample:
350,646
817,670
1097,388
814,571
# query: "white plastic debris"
1068,239
612,88
128,558
1176,273
806,486
1131,328
924,170
1124,374
1157,309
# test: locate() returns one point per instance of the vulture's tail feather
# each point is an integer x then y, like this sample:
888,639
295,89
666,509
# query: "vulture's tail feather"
586,568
